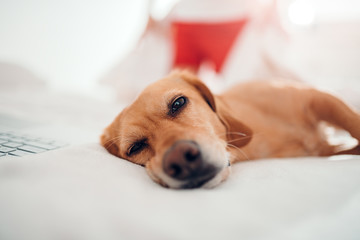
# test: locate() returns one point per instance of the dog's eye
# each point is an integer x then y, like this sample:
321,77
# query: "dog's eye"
177,104
137,147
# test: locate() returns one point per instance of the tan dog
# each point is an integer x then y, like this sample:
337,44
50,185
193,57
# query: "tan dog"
186,137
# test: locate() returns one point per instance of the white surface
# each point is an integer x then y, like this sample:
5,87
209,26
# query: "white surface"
85,193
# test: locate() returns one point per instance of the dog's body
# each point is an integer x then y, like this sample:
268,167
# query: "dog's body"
284,117
187,137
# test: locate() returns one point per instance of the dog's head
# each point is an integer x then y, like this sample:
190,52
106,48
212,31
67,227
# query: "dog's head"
179,131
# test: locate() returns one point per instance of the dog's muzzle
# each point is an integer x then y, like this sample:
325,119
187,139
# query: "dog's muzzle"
184,162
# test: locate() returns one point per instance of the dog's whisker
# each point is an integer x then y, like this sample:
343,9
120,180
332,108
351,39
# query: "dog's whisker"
245,137
112,141
238,139
232,133
241,151
237,133
235,157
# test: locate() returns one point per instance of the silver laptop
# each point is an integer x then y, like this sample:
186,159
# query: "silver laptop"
18,137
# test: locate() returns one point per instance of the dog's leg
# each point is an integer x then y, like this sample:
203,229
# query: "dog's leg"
331,109
354,151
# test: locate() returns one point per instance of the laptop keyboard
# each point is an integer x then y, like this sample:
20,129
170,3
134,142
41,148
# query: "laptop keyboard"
18,145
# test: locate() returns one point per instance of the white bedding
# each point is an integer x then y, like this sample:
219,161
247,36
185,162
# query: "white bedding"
82,192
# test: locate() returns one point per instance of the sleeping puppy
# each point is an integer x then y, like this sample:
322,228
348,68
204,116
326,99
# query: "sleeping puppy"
186,137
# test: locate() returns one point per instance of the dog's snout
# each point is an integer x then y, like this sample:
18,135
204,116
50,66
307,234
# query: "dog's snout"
183,160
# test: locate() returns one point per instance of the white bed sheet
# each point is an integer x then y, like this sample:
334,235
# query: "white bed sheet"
82,192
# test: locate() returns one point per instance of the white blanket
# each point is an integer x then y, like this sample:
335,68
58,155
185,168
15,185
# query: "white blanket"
84,193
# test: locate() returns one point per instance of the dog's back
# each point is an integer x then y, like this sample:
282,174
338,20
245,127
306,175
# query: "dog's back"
283,118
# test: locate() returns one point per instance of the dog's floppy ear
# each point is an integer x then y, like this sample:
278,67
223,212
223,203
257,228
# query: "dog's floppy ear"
200,86
108,140
237,133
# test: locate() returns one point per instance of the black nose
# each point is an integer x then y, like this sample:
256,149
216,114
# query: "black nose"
183,160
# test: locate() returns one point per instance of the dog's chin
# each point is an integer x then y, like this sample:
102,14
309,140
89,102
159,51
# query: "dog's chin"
220,177
210,181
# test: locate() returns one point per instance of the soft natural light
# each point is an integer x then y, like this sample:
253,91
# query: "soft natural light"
301,12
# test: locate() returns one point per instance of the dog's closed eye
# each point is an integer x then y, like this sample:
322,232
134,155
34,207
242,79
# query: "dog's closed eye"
136,147
177,104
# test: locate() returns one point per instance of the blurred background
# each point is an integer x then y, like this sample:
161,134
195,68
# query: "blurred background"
74,45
